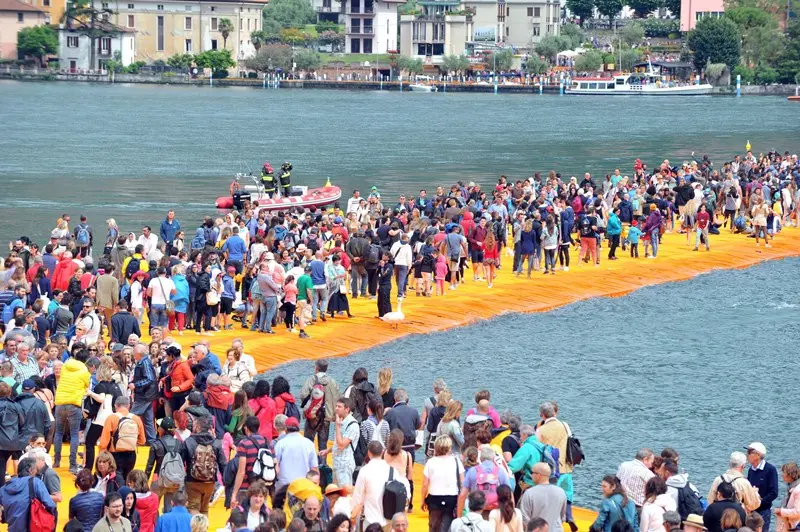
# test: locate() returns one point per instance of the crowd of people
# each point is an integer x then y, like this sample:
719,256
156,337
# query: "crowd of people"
75,366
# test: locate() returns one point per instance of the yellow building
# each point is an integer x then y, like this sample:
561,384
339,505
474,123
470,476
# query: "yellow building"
167,27
53,9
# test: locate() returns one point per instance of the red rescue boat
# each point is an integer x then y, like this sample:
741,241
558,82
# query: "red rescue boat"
299,196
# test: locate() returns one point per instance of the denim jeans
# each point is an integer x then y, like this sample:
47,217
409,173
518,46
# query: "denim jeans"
158,316
358,276
654,241
269,306
401,276
144,409
320,298
68,417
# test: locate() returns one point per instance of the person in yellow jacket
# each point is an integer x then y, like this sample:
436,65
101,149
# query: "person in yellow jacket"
72,388
299,490
137,255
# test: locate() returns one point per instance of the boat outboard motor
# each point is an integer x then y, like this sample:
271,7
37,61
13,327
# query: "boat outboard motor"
239,197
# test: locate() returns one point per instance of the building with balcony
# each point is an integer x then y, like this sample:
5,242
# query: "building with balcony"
16,15
515,23
75,50
370,26
164,28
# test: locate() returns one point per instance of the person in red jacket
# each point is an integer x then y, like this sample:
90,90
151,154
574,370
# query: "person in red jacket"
65,269
178,382
263,407
281,395
146,500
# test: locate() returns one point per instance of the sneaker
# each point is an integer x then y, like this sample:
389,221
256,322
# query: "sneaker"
489,285
304,335
74,470
566,268
218,494
293,330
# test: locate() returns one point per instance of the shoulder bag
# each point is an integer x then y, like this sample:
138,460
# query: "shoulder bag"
170,304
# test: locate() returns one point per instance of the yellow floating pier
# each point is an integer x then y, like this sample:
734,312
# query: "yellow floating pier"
474,301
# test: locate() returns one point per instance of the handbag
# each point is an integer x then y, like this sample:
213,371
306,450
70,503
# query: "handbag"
40,517
212,298
170,304
574,450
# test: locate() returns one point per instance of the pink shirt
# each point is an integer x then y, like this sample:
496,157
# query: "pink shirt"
493,415
290,293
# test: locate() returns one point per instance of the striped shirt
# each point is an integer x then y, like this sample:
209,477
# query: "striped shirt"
633,475
248,447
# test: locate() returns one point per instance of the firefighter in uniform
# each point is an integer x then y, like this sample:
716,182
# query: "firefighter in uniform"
286,179
268,179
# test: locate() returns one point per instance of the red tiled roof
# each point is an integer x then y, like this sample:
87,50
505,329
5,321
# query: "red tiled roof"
17,5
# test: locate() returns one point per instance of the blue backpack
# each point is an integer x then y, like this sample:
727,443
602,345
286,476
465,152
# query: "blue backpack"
125,292
82,236
550,456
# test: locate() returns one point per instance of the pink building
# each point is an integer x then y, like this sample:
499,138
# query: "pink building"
694,10
14,16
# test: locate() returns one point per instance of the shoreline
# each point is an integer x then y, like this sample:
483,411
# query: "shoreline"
36,75
474,302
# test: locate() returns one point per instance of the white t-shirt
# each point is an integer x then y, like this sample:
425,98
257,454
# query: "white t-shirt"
441,472
136,295
159,297
92,323
150,243
369,489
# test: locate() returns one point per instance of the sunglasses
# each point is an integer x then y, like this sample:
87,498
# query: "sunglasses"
92,350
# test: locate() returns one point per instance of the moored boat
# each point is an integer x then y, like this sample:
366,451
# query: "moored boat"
423,84
649,84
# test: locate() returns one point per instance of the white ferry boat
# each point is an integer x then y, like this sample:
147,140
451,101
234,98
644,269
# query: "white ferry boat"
423,84
637,83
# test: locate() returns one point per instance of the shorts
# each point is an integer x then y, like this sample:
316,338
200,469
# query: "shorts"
477,256
490,261
453,265
226,305
304,310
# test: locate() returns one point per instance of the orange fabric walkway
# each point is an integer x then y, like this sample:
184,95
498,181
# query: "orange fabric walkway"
473,302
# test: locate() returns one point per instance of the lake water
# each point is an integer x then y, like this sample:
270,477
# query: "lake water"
134,151
705,366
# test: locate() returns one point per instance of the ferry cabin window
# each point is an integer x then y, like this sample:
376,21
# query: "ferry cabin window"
620,81
610,86
584,85
592,85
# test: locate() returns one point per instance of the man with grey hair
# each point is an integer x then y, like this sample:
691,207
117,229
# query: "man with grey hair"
634,474
144,386
122,433
529,454
544,500
399,522
486,473
15,500
672,522
746,494
46,474
510,444
248,360
555,433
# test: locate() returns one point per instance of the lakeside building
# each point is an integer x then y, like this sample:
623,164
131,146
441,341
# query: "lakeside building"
163,28
694,10
53,9
15,16
75,49
371,26
452,27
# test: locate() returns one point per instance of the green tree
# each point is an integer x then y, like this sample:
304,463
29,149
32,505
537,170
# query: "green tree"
628,58
788,63
574,33
455,64
591,61
715,71
581,9
762,42
290,13
408,8
674,7
747,73
412,66
633,33
217,60
643,8
38,42
336,40
766,75
715,40
750,17
536,65
225,27
307,60
115,64
271,57
500,60
182,61
774,7
553,44
609,8
294,36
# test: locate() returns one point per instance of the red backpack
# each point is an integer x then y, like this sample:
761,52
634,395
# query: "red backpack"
315,402
488,483
41,519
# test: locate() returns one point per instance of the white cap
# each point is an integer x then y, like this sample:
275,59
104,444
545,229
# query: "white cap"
757,447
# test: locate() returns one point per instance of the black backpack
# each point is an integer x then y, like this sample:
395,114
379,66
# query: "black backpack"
688,502
394,496
586,227
132,267
360,446
374,254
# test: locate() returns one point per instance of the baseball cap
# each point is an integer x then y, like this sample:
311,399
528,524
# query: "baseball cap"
117,347
758,447
28,384
166,423
292,422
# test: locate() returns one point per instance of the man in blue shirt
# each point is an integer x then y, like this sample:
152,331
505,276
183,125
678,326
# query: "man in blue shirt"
235,250
294,454
763,476
178,519
169,227
320,294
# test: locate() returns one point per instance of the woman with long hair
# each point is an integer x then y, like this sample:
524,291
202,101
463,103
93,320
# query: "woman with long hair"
491,256
181,298
105,477
263,407
111,235
506,517
104,394
282,395
241,411
450,426
550,234
375,427
527,246
788,515
402,461
615,505
385,389
656,503
440,498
